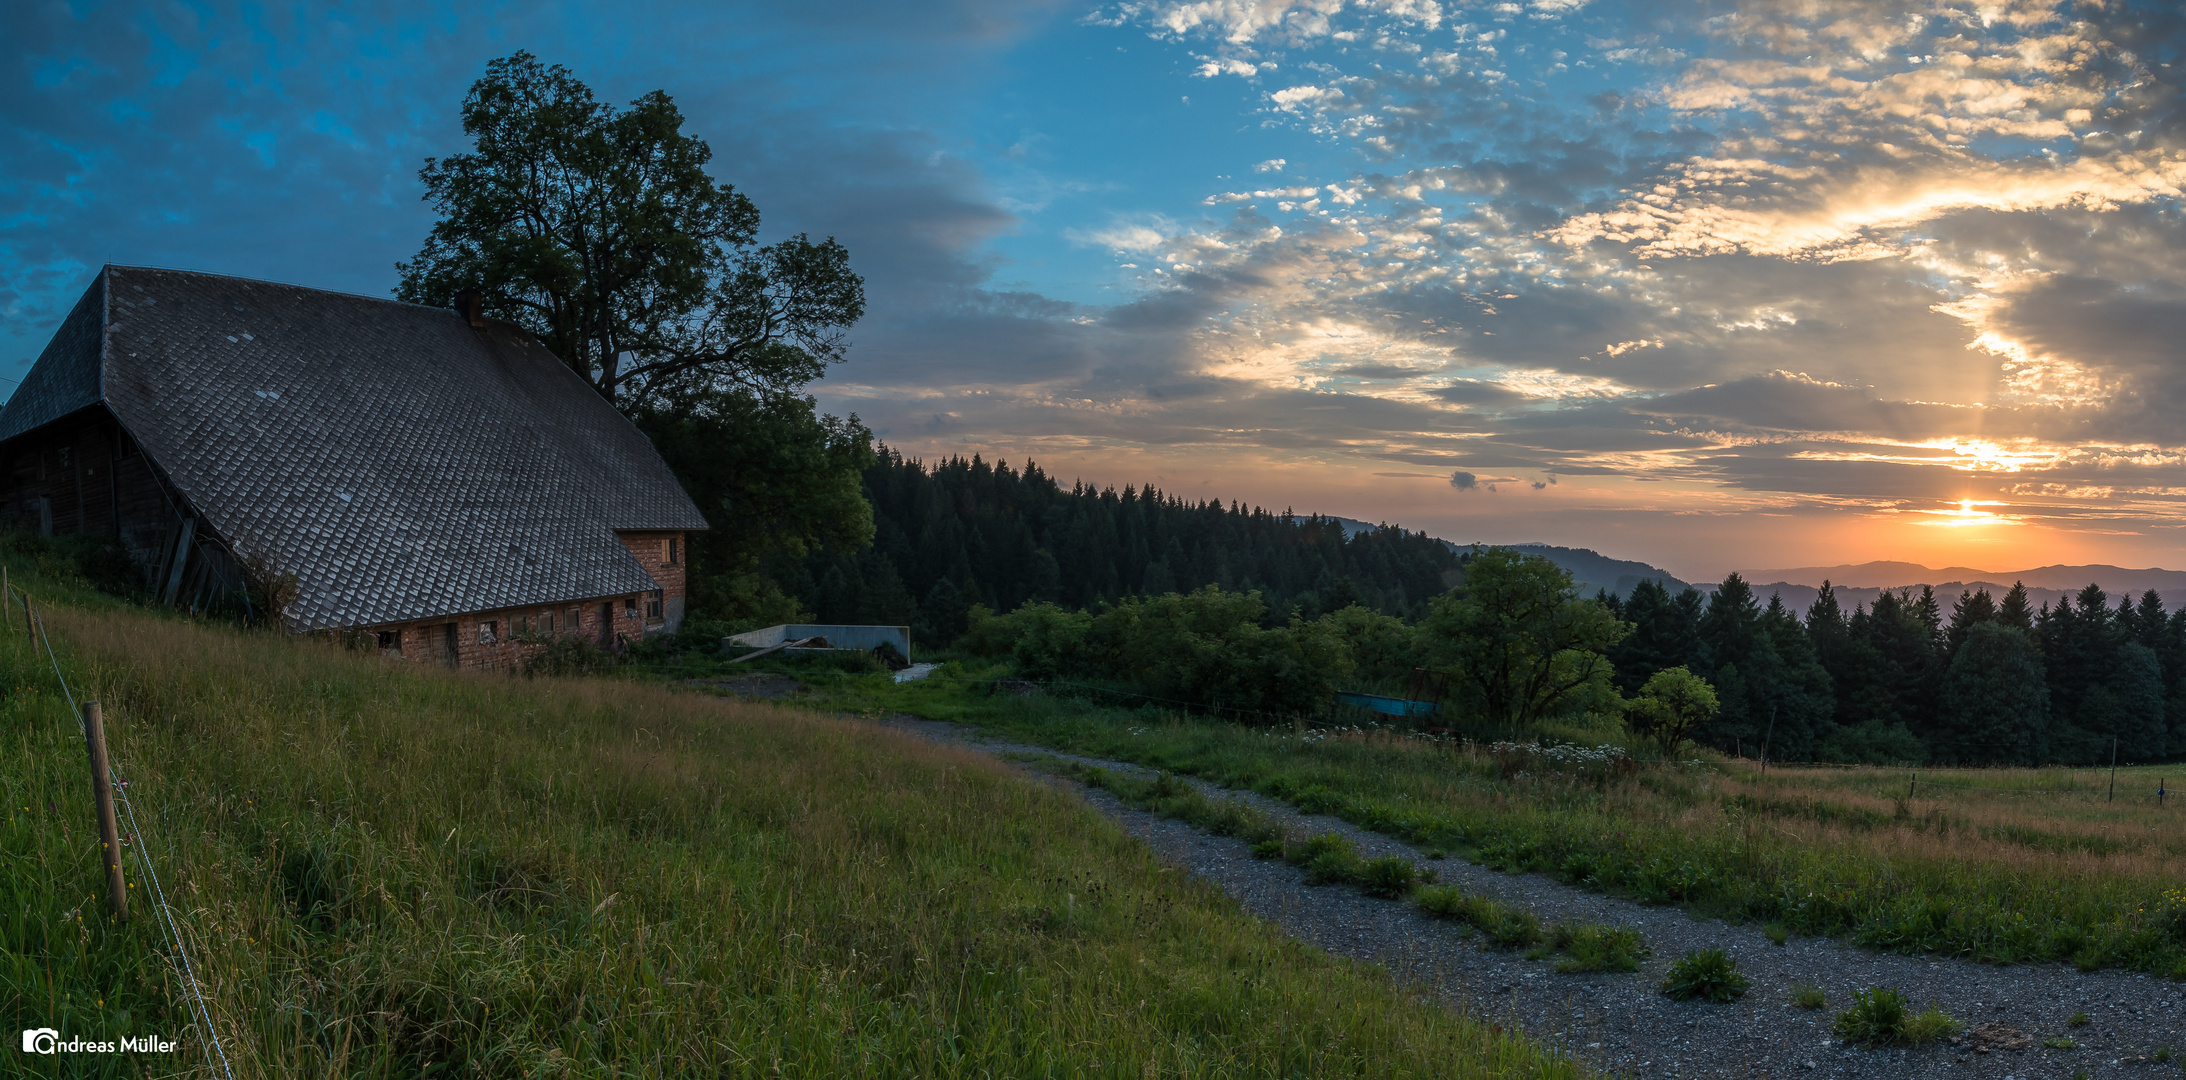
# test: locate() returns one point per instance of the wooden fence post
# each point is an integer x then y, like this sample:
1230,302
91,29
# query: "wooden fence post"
102,788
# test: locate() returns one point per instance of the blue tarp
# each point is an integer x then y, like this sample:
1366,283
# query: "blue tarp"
1387,705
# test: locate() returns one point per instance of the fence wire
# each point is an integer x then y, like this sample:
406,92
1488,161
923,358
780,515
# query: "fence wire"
201,1015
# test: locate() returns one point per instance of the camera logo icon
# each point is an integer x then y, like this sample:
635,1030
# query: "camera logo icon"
39,1040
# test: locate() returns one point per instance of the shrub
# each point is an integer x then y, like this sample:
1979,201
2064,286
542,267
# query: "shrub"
2059,1042
1268,849
1507,926
1930,1025
1707,974
1877,1017
2079,1019
1327,859
1808,995
1776,933
1446,902
1389,876
1594,947
567,654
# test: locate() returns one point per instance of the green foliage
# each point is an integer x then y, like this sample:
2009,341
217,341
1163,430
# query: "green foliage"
1592,947
1808,995
1707,975
71,563
1996,702
1205,648
2079,1019
1930,1025
1506,926
1389,877
1672,703
1880,1017
1328,859
563,654
776,480
1777,933
1518,641
600,231
2059,1042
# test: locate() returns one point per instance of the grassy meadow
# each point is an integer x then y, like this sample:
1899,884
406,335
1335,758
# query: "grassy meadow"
386,870
1998,865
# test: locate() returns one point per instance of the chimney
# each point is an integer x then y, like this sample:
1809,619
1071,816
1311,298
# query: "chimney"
471,304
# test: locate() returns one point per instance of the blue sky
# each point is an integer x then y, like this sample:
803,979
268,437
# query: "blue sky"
1714,285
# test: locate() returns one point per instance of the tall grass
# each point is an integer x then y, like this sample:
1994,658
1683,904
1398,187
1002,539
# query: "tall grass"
386,870
1996,865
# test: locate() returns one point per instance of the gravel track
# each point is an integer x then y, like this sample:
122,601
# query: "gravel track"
1619,1022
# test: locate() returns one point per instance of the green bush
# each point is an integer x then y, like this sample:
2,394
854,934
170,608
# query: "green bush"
563,654
1593,947
1208,647
1504,925
1707,974
1390,876
1879,1017
1808,995
1446,902
1328,859
1930,1025
1510,927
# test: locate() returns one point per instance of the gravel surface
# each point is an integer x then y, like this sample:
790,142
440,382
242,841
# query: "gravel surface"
1620,1022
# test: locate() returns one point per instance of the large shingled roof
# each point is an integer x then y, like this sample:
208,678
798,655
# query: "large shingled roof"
403,464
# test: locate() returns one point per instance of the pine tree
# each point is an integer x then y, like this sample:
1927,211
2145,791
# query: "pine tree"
1995,700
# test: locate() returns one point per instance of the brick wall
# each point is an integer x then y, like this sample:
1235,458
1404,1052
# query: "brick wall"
653,550
426,641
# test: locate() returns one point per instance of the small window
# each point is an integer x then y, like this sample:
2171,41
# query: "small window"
630,607
671,551
487,631
64,456
653,605
576,620
546,621
391,640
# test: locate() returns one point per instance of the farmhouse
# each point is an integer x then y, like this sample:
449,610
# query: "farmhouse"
433,478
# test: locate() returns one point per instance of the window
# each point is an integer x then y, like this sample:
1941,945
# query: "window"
391,640
671,551
488,631
630,607
64,456
653,605
546,621
576,620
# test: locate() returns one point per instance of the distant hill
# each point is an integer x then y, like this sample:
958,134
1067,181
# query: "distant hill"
1593,571
1596,572
1862,583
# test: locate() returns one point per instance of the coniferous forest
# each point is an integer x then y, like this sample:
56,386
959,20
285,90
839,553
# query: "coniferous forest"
1013,556
966,532
1987,680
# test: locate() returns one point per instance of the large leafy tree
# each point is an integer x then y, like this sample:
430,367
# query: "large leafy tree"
599,230
1518,641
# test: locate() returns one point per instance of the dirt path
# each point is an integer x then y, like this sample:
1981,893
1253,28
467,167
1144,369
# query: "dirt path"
1620,1022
